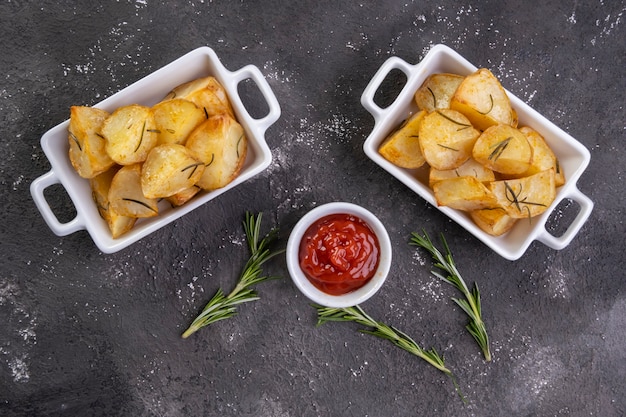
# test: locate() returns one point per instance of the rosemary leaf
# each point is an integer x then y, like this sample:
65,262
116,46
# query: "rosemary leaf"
381,330
223,306
471,304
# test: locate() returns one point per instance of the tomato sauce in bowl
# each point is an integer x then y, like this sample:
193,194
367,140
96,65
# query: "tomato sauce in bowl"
339,253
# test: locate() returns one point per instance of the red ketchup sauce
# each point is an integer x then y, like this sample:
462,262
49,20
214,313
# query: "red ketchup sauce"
339,253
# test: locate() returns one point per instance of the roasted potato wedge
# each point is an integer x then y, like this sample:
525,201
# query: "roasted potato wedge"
207,93
402,147
446,139
221,144
526,197
130,133
464,193
483,100
100,186
543,157
175,119
495,221
471,168
437,91
87,147
183,196
126,195
503,149
169,169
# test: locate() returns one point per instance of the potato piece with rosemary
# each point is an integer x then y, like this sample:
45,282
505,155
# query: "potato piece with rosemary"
221,144
169,169
87,147
100,186
483,100
493,221
503,149
543,156
126,195
402,147
526,197
446,139
471,168
130,133
437,91
183,196
176,119
207,93
464,193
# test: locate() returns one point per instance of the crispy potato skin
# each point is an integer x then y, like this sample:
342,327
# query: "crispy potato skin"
402,147
483,100
446,139
437,90
87,151
503,149
464,193
130,134
169,169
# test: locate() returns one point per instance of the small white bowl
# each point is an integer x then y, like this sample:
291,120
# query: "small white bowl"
352,298
573,156
200,62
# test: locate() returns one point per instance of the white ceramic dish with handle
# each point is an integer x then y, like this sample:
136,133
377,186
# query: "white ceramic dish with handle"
200,62
572,155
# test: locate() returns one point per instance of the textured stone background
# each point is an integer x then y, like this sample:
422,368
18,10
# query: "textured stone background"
88,334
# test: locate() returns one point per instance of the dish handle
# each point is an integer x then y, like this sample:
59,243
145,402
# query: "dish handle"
586,206
367,98
253,73
37,188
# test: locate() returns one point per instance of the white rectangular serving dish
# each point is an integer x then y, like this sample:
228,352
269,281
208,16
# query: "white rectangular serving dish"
200,62
572,155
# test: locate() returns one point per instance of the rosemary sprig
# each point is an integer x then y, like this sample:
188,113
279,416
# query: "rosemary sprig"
471,303
223,306
378,329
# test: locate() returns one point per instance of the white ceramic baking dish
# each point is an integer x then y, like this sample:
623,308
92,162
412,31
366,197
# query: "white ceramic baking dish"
198,63
572,155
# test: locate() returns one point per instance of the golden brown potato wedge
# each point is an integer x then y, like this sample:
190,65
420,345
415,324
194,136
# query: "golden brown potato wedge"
87,147
402,147
130,133
446,139
169,169
126,196
495,222
526,197
437,91
503,149
176,119
543,157
483,100
221,144
464,193
207,93
182,197
471,168
100,185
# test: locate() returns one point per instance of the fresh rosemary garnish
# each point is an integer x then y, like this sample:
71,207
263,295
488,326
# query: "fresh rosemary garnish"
238,142
378,329
211,161
498,148
490,107
434,98
143,128
514,199
471,303
448,147
463,125
80,148
193,168
223,306
132,200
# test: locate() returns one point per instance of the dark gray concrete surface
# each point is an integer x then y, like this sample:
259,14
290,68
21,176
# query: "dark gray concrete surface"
88,334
